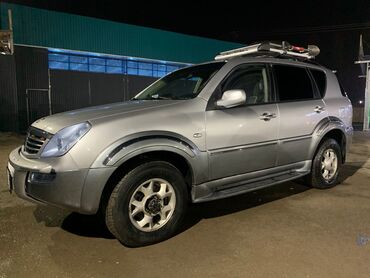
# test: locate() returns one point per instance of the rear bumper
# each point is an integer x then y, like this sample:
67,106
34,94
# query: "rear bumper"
48,183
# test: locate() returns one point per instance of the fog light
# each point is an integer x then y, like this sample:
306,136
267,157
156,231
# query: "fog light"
35,177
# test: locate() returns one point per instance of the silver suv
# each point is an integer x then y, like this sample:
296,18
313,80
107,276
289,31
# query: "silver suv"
255,117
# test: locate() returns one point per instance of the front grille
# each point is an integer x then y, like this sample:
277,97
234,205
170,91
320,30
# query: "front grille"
35,140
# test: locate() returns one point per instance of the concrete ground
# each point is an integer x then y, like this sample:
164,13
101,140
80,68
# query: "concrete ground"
284,231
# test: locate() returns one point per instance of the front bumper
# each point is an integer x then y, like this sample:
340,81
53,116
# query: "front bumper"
65,185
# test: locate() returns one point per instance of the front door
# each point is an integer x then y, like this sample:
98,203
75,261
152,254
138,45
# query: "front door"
243,139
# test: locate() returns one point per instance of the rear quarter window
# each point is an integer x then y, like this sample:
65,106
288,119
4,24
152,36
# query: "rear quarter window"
320,80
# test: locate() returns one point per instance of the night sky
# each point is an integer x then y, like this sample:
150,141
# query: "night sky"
335,26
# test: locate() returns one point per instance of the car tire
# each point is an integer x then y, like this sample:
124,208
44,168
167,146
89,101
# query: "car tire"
147,205
325,165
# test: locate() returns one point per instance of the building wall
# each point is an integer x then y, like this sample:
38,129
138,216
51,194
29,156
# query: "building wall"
24,88
358,115
8,94
25,77
44,28
31,74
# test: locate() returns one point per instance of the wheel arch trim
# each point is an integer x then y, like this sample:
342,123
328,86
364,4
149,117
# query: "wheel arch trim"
328,125
143,142
125,145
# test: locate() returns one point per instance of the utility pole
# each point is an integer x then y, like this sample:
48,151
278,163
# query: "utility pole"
6,37
362,62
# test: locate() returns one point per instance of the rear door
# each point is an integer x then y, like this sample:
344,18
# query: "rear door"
301,108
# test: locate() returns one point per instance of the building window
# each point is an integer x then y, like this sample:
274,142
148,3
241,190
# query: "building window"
67,60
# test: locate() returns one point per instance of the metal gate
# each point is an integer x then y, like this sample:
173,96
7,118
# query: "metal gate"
38,104
77,89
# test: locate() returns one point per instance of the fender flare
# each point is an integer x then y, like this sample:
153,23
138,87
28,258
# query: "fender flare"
324,127
143,142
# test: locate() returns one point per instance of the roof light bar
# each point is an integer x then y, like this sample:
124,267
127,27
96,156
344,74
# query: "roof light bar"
284,49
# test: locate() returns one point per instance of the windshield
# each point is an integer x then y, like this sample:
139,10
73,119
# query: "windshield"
182,84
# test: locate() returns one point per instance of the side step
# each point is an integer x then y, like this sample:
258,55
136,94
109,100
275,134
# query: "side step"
232,189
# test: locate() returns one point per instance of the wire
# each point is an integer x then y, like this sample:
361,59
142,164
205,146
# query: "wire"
321,29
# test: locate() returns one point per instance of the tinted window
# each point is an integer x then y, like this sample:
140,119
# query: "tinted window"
293,83
320,79
253,80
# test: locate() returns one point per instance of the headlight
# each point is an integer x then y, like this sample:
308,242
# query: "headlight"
65,139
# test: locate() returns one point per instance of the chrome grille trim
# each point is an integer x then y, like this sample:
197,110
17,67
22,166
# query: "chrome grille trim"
29,142
35,141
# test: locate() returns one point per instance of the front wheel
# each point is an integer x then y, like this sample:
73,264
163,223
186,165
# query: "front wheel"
325,165
147,205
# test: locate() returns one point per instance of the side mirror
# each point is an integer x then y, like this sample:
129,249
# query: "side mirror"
232,98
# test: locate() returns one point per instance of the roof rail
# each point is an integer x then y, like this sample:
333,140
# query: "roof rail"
284,48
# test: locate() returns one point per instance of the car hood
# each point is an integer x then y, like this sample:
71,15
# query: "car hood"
56,122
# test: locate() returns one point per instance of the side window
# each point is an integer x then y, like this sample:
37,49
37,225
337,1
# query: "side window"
253,80
320,79
293,83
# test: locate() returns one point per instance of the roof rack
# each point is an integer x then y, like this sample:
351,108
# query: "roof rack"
284,49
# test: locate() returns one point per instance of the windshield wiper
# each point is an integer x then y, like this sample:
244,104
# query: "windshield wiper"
160,97
154,97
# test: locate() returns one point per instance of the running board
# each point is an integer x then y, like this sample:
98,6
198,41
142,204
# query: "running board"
229,190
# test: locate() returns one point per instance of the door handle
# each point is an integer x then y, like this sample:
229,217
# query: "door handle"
319,109
266,116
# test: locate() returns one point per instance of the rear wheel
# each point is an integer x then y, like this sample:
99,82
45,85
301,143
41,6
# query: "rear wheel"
147,205
325,165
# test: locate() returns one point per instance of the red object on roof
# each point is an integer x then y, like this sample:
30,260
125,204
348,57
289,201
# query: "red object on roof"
298,48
